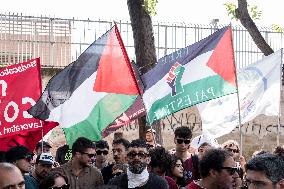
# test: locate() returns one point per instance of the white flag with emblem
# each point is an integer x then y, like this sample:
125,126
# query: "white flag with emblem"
259,92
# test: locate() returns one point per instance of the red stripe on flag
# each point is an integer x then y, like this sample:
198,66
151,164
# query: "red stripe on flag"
114,73
222,60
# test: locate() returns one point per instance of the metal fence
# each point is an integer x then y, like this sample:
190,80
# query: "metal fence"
60,41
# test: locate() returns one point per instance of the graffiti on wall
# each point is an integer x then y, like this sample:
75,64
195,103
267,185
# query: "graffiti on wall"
193,121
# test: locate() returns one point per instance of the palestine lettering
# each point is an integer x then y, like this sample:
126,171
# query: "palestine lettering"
19,128
184,101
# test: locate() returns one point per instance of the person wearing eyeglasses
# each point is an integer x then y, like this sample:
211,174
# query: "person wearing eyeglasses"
102,149
137,175
43,166
182,140
11,177
54,180
217,170
265,171
79,170
21,157
233,148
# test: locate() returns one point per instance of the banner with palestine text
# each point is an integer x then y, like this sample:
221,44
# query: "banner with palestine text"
200,72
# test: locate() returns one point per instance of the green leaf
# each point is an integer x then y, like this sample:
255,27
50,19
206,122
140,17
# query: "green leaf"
277,28
150,7
231,9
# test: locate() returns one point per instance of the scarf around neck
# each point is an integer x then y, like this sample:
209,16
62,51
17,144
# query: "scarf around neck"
135,180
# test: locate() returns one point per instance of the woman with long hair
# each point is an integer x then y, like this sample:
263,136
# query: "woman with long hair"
177,172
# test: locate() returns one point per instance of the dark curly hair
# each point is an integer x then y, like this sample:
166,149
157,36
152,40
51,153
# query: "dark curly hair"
183,132
279,151
122,141
160,158
102,144
81,144
212,159
180,181
49,180
270,164
138,143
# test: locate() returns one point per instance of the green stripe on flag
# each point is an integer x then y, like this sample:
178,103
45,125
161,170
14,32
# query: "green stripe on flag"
193,93
111,106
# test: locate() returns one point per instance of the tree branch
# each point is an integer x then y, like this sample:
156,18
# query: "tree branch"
243,15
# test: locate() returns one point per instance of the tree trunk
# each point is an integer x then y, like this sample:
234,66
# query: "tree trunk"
144,44
243,15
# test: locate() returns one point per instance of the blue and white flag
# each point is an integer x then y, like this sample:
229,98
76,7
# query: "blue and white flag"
259,92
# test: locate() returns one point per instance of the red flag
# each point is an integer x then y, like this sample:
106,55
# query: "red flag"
20,88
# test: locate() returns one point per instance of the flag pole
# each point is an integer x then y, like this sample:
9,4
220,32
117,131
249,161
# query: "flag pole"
279,113
41,136
240,122
238,97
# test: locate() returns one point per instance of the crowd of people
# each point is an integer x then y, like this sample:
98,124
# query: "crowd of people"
141,164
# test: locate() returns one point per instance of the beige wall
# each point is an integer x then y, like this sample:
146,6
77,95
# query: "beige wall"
257,134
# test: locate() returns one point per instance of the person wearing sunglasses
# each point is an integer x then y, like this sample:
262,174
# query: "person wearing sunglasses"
79,170
233,148
217,170
182,140
54,180
102,149
21,157
137,175
265,171
11,177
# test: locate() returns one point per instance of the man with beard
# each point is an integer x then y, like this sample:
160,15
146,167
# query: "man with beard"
43,166
137,175
119,148
217,170
21,157
79,171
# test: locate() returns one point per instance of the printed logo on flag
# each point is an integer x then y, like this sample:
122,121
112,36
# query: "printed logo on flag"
174,78
250,78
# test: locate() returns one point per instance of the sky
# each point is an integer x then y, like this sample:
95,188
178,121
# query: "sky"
169,11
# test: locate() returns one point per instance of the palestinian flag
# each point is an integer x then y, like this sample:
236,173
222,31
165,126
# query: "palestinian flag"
194,74
92,92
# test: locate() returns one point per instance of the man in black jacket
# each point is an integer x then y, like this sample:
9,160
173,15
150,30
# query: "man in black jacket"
137,175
